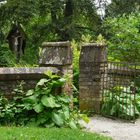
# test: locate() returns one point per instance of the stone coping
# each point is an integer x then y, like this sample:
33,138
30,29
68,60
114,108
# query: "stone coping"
25,73
93,45
56,44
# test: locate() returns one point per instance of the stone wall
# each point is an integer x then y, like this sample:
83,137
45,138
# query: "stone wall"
55,57
11,77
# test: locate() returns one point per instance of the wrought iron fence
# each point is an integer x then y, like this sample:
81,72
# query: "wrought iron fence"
120,90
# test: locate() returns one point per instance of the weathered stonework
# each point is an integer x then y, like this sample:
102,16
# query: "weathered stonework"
7,74
11,77
59,55
55,57
92,59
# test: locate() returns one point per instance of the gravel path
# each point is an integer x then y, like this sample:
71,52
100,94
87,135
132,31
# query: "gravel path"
116,129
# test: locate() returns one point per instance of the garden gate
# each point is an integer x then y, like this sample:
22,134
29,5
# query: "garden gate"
119,89
109,88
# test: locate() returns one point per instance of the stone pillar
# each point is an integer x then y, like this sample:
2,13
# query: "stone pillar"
93,59
59,55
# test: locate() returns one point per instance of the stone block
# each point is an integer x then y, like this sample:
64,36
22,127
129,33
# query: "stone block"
56,54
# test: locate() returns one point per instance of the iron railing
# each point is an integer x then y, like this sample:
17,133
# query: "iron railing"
120,89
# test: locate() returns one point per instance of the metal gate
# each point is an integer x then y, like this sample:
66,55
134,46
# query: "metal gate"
120,88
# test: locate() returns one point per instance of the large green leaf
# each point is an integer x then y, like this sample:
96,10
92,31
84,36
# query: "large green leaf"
62,80
38,108
30,92
49,101
31,99
42,82
58,83
72,124
41,120
66,112
51,75
65,99
28,106
43,117
58,118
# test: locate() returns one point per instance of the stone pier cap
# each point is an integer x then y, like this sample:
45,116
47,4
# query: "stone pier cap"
93,45
56,44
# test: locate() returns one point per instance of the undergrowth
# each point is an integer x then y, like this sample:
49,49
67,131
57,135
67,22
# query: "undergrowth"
43,106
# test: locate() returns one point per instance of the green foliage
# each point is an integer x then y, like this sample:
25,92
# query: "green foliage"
76,47
123,37
42,106
45,20
120,7
101,40
54,11
121,102
6,57
87,38
76,55
18,10
12,112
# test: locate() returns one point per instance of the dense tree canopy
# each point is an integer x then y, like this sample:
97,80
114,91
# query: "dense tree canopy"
123,35
122,7
63,16
58,20
45,20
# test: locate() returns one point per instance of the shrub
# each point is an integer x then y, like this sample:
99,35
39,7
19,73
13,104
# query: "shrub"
6,56
40,106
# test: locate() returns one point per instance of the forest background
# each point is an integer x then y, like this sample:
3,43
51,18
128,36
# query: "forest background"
116,23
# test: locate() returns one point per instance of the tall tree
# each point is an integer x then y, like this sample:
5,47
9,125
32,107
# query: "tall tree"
68,18
119,7
50,20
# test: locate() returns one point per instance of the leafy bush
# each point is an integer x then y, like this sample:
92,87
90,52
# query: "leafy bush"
119,103
6,56
123,35
41,106
13,112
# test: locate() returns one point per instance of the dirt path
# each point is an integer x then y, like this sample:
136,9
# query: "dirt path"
116,129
